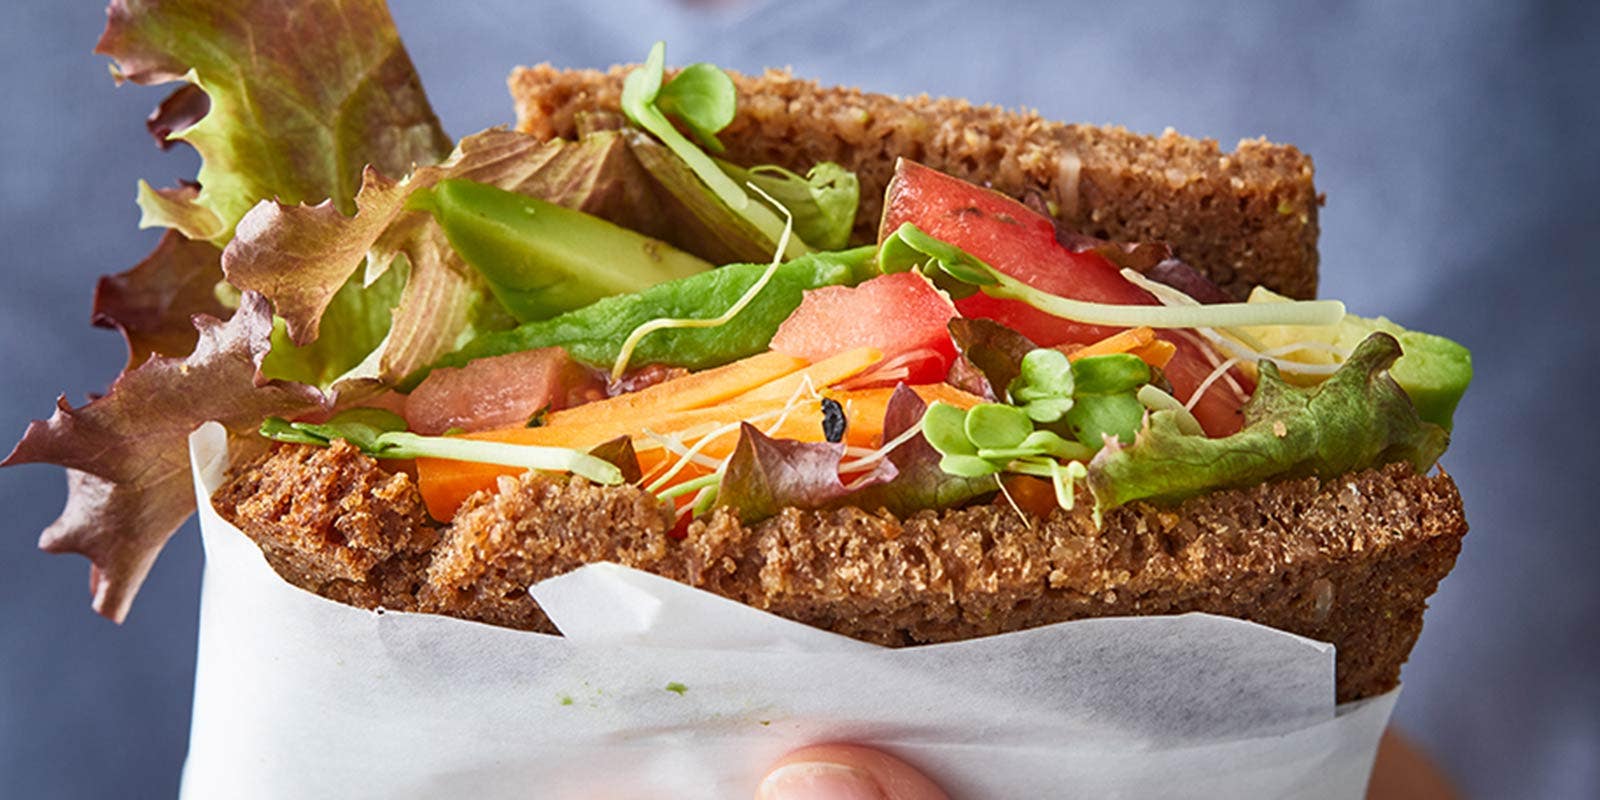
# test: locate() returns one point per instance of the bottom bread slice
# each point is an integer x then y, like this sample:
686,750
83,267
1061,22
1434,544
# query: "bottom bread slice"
1350,561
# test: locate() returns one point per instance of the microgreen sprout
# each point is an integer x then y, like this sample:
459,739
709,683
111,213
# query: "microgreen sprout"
382,434
704,104
991,438
910,248
1044,386
1095,398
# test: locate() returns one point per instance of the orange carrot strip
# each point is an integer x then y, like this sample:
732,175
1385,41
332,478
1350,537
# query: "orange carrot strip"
1156,353
445,484
865,407
1123,342
695,390
821,375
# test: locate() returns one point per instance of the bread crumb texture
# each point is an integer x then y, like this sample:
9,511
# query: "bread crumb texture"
1350,561
1244,218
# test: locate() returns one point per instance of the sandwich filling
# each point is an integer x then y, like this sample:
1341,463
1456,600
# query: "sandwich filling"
709,343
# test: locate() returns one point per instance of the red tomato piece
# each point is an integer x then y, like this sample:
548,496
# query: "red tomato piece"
500,391
1020,242
902,315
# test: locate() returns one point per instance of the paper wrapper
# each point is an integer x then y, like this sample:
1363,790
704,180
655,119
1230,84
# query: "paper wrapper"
660,690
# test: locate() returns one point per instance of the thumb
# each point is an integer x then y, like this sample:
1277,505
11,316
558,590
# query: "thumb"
845,772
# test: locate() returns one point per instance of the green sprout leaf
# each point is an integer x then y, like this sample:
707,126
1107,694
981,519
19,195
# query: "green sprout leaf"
1097,416
382,434
1044,385
945,427
910,248
640,92
1040,443
1105,398
968,466
1110,374
362,427
997,426
1047,373
703,98
823,202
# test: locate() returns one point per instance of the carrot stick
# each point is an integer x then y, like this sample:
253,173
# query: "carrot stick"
446,484
1123,342
1140,342
695,390
822,374
1156,353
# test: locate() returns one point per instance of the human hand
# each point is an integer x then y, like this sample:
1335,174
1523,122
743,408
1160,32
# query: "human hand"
845,772
851,772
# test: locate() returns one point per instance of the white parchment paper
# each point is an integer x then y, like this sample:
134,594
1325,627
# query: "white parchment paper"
663,691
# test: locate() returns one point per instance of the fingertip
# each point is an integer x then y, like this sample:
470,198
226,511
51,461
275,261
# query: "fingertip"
845,772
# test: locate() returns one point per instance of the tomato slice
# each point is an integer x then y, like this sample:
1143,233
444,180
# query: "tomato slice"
901,315
1022,243
500,391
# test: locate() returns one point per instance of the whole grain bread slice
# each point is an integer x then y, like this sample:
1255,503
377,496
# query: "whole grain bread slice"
1244,218
1350,561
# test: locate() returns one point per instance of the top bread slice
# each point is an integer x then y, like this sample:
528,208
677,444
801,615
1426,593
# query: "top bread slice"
1244,218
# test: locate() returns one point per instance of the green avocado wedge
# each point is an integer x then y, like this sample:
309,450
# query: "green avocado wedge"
1435,372
541,259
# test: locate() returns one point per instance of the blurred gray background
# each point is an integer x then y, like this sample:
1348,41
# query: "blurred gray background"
1456,144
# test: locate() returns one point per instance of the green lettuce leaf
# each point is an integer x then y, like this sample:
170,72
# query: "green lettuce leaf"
303,96
126,453
823,202
355,324
595,333
1358,418
1434,371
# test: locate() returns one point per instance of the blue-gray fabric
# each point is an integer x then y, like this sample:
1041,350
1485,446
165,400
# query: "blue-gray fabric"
1456,145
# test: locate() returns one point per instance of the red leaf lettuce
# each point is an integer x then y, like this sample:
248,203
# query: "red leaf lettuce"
126,453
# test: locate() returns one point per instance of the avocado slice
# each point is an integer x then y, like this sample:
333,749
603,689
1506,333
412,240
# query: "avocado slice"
1434,371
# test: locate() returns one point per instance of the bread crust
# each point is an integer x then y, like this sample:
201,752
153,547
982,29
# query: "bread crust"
1349,561
1244,218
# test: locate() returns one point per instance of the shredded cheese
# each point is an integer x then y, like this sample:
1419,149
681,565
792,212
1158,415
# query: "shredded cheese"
1240,345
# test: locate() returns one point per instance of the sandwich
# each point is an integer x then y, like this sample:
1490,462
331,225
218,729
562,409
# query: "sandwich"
908,370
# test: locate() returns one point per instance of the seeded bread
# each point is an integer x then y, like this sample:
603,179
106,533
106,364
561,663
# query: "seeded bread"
1350,561
1244,218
